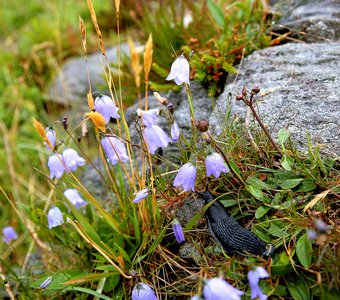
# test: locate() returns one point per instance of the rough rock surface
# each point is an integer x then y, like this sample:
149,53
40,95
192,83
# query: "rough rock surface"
301,83
71,84
308,20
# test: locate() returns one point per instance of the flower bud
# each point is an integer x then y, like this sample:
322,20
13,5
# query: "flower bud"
202,125
160,99
244,91
239,97
255,90
171,108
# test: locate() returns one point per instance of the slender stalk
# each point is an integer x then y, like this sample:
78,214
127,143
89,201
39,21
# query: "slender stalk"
264,128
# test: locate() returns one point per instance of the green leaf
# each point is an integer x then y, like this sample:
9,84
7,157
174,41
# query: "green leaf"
216,13
90,292
281,264
290,183
287,162
256,192
261,211
283,136
298,288
229,202
306,186
254,181
304,251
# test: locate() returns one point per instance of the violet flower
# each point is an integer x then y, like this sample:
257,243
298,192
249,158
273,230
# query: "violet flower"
142,291
115,149
46,282
215,164
155,137
311,234
54,217
56,166
149,117
254,277
75,198
106,107
186,177
320,225
174,132
141,195
219,289
180,71
72,160
178,231
52,136
9,234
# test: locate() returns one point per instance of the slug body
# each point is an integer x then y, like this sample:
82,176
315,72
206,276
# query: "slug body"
231,235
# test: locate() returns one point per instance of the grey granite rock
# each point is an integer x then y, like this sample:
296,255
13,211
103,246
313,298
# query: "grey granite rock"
301,83
308,20
71,84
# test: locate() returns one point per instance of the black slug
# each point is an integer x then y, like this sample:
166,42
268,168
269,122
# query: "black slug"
231,235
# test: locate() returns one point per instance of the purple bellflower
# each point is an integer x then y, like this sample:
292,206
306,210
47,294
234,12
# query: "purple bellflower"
196,298
219,289
115,149
52,136
141,195
106,107
320,225
186,177
9,234
155,137
215,164
149,117
75,198
46,282
180,71
56,166
142,291
254,277
178,231
174,132
72,160
54,217
311,234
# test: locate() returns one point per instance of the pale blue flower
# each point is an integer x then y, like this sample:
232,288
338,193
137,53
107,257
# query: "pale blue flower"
54,217
174,132
155,137
215,164
9,234
254,277
311,234
149,117
106,107
52,136
72,160
56,165
219,289
186,177
75,198
320,225
180,71
142,291
141,195
178,231
115,149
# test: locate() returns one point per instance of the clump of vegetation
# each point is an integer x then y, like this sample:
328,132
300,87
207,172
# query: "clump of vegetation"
73,244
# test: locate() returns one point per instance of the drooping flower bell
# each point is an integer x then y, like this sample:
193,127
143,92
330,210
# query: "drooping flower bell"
54,217
254,277
46,282
149,117
106,107
215,164
186,177
115,149
174,132
9,234
142,291
178,231
180,71
72,160
219,289
141,195
52,136
75,198
155,137
56,165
